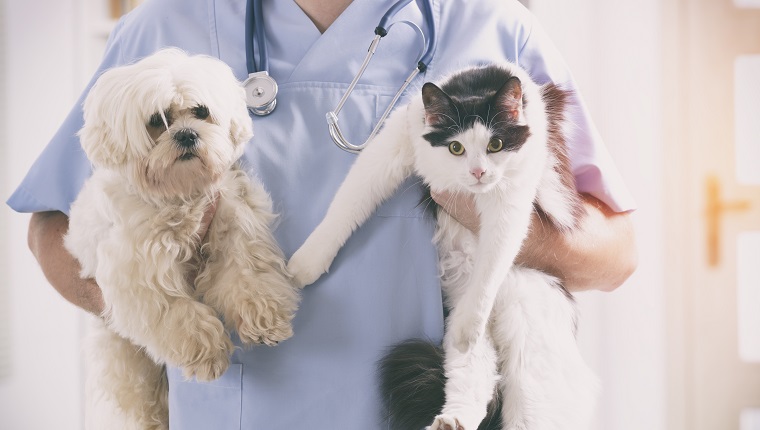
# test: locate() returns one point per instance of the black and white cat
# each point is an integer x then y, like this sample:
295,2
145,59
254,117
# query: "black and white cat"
491,132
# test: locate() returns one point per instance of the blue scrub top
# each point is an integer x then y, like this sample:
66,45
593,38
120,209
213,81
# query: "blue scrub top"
383,286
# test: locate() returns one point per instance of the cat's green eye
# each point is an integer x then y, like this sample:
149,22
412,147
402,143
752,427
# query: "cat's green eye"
456,148
495,145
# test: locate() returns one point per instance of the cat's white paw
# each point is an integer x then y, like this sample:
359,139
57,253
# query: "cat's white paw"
446,422
306,267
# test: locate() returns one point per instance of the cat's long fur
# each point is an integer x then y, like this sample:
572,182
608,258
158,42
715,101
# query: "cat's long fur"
509,326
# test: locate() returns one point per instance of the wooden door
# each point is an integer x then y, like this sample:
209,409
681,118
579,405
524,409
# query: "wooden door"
711,61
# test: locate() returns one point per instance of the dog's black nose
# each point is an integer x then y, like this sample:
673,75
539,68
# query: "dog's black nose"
186,137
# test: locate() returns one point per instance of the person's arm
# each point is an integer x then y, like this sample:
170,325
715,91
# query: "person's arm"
45,238
599,255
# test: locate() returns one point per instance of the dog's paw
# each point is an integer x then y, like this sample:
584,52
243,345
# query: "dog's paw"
263,321
446,422
200,346
306,267
210,361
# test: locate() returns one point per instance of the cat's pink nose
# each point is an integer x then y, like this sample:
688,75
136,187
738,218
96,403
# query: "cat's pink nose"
477,172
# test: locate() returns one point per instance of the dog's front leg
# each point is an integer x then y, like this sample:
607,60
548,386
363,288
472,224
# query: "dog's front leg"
244,276
150,304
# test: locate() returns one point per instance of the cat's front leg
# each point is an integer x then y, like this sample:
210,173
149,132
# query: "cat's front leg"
504,225
471,379
374,176
445,422
317,253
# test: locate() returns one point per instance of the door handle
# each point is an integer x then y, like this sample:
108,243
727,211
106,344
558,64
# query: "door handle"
715,207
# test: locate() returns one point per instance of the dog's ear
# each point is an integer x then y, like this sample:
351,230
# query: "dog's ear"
97,137
241,126
101,152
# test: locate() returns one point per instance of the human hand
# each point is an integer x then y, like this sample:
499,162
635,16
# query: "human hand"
461,206
62,270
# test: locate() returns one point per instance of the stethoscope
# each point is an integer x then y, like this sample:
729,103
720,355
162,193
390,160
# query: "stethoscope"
261,89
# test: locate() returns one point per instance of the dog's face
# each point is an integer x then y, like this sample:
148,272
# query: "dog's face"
171,124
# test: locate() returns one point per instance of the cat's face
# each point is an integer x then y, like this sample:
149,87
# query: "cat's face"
473,141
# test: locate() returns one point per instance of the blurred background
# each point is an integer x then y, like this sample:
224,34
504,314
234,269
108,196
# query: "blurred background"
674,88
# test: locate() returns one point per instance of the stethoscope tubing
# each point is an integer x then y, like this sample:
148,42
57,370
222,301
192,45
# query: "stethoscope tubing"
427,12
424,60
254,29
263,89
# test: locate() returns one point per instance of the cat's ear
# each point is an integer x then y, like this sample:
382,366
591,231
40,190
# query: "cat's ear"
509,98
438,105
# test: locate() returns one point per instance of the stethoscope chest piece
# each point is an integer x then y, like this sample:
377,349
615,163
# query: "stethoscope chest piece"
260,93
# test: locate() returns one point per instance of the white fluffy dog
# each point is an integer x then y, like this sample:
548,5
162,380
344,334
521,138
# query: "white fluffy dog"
163,135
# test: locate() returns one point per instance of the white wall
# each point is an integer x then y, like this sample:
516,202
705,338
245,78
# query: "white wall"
42,390
612,48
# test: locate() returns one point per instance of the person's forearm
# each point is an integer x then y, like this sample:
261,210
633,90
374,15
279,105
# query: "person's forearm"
46,231
599,255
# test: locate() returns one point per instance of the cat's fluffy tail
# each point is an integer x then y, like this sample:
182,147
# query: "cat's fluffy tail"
412,384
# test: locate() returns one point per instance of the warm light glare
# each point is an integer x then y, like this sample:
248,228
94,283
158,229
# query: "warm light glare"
747,112
750,419
748,299
747,4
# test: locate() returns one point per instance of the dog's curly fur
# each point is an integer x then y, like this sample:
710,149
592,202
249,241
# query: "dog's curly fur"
163,135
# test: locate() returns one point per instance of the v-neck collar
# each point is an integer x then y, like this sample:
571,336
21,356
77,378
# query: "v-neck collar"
298,51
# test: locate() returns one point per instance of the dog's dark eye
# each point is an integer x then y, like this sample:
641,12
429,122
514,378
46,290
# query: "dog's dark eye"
200,112
157,121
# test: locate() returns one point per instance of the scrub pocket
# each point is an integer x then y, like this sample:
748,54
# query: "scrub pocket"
206,405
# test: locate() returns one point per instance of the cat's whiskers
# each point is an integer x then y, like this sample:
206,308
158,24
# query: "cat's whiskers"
427,201
541,219
498,123
459,116
454,198
412,184
492,124
455,124
477,118
467,203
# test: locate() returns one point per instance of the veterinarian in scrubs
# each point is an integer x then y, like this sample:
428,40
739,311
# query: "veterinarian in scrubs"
383,286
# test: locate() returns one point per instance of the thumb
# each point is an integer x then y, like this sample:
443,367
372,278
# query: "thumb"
461,207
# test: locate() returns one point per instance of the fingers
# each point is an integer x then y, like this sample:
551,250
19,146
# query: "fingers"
461,206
